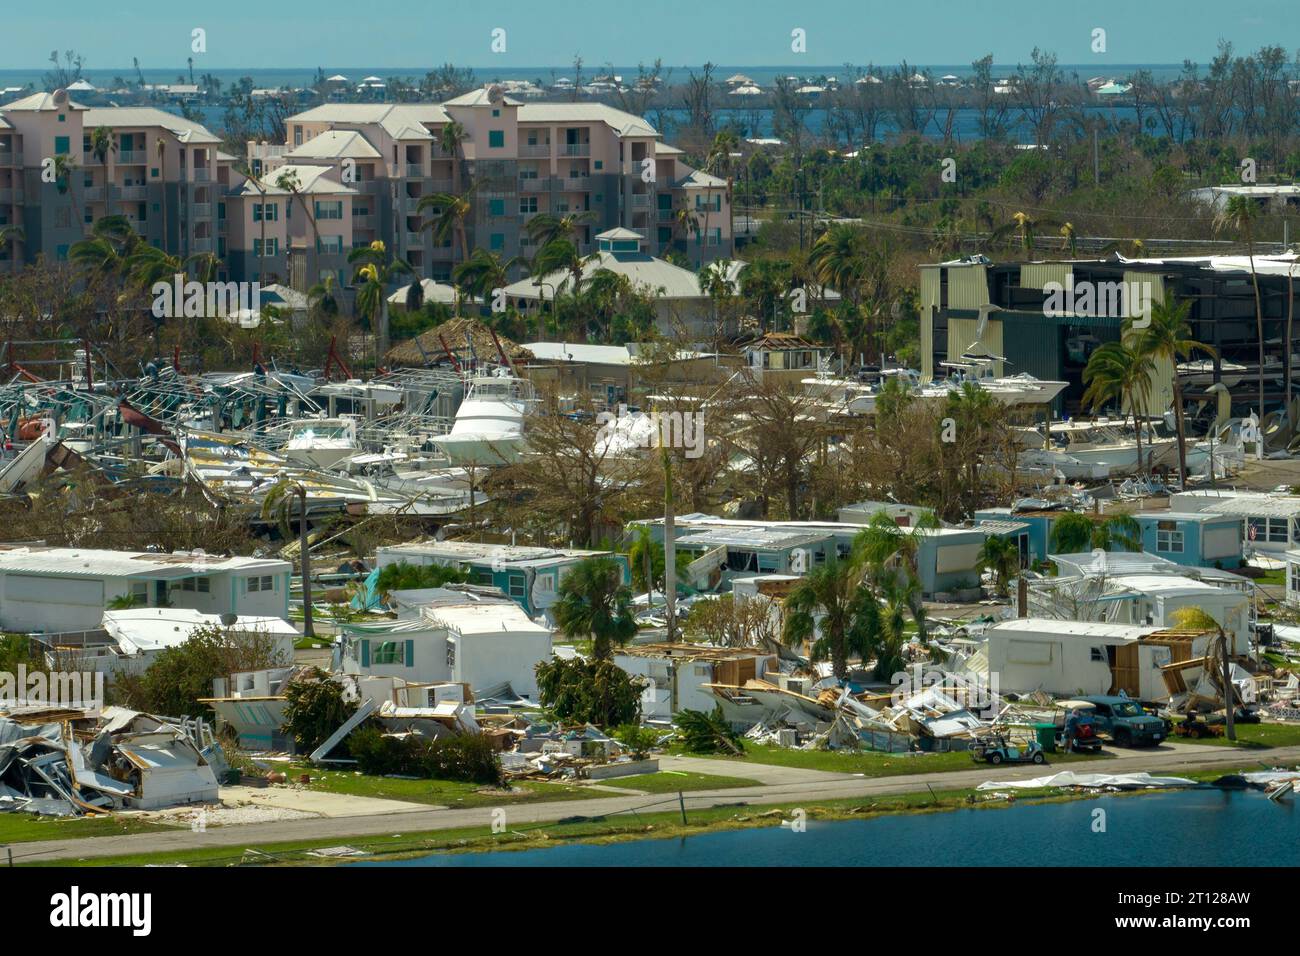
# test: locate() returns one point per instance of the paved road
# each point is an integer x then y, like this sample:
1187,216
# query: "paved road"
796,787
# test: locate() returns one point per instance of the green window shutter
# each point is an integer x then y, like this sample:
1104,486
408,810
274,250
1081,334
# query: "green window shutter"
496,139
497,207
61,145
410,653
365,653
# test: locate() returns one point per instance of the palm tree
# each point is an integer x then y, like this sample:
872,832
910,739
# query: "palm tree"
101,144
247,172
1026,227
1075,532
1168,337
482,272
162,159
64,167
289,182
832,600
1069,242
453,134
1195,617
561,255
719,163
449,215
1001,557
375,273
545,228
593,602
11,234
322,297
1118,374
1239,214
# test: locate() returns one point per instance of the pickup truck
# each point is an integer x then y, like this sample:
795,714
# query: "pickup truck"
1124,720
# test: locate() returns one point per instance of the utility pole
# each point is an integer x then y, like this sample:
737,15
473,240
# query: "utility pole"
304,557
670,546
1096,158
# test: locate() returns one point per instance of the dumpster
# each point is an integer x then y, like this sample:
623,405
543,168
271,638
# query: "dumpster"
1046,734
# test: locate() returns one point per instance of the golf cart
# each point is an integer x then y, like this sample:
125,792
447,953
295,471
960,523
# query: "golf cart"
1086,739
1006,747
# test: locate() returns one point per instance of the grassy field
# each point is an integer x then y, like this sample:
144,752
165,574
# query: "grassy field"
868,764
26,827
672,781
1255,737
451,793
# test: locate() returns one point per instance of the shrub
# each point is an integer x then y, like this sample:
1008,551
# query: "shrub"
467,757
636,738
707,733
412,577
589,692
315,710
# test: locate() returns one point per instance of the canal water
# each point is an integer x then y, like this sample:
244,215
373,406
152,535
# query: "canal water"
1182,828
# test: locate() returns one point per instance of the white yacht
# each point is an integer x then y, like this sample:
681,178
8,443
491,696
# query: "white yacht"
489,426
322,443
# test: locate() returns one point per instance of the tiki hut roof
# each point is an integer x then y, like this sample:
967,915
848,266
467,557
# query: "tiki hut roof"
459,333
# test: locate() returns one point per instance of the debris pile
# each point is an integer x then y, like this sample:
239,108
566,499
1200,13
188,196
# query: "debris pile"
73,762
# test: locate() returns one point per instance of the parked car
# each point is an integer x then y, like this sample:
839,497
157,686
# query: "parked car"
1126,722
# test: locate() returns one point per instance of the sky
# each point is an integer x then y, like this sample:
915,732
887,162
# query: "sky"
549,33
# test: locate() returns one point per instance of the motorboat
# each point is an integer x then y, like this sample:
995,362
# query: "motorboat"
489,425
322,443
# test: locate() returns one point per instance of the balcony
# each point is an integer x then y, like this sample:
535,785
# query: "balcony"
415,240
222,228
202,175
667,215
133,193
534,184
640,200
416,171
90,159
93,194
535,150
132,157
576,149
10,157
576,184
201,210
442,253
441,186
8,196
203,244
363,222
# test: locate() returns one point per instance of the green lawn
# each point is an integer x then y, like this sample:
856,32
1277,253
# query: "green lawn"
451,793
672,781
1255,737
868,764
26,827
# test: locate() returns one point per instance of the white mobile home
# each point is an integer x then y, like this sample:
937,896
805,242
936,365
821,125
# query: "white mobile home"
1271,522
469,639
676,674
1079,657
53,590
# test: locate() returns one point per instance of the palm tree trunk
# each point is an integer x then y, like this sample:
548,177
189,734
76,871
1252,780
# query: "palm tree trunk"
1259,318
1286,356
1180,429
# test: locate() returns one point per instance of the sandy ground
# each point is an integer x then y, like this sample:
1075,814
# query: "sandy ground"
246,805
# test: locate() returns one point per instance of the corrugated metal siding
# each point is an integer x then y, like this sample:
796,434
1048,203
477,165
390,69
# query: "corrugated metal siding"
929,302
1162,378
961,336
1032,343
1035,275
968,287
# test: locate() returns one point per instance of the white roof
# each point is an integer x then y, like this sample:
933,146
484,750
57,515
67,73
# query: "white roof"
152,629
1051,626
484,618
91,562
580,352
474,550
335,144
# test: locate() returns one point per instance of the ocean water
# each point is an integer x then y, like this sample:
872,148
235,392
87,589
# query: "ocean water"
1241,828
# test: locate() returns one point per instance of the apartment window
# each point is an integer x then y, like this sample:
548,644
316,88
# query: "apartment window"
265,582
270,211
329,210
1168,537
197,585
496,139
297,136
271,250
496,113
153,171
140,592
498,241
497,207
516,585
61,145
329,244
527,204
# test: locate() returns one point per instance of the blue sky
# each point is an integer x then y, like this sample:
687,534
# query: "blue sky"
545,33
